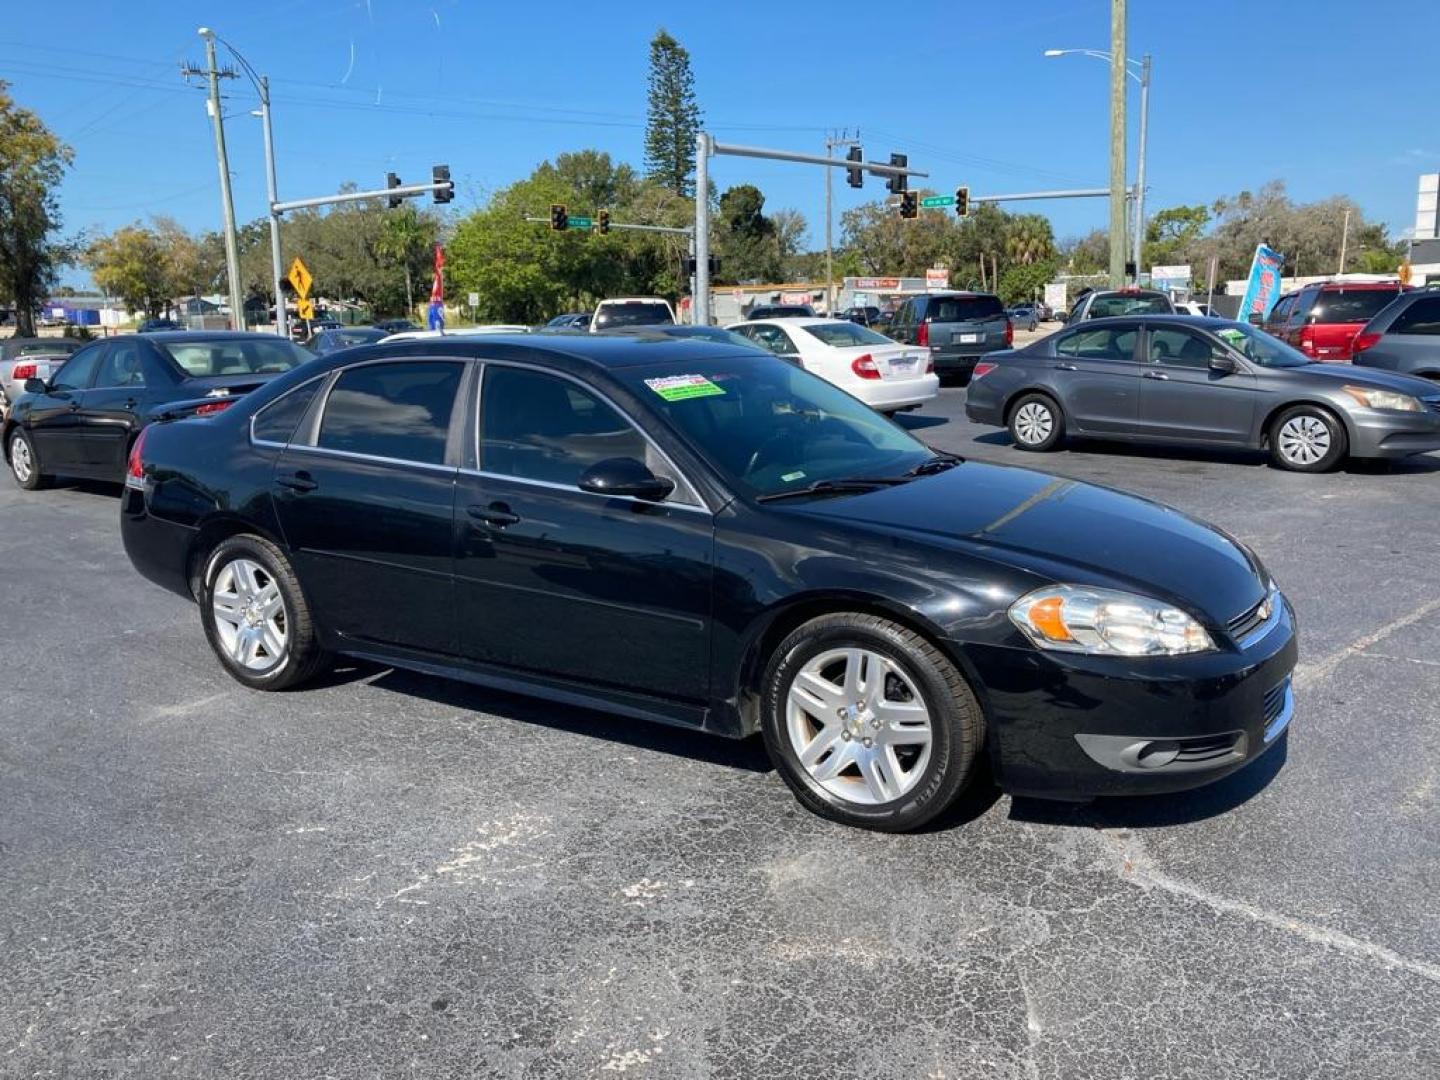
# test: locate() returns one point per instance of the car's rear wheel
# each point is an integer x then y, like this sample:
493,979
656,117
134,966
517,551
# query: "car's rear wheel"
25,462
1036,423
1306,438
256,617
869,723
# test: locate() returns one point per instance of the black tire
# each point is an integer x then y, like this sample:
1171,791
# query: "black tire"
957,724
303,658
24,459
1307,438
1026,423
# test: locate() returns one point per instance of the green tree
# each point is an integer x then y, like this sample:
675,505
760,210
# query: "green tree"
1172,235
406,240
1028,239
32,163
1020,282
130,264
673,117
745,239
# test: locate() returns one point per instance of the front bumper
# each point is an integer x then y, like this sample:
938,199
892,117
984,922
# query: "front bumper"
1387,433
1069,726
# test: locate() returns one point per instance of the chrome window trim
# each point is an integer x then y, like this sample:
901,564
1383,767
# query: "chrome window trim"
377,458
572,490
699,503
335,376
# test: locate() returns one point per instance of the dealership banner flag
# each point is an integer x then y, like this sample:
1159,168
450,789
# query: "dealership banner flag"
437,292
1263,288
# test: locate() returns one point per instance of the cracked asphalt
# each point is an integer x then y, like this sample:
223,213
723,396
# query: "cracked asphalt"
393,875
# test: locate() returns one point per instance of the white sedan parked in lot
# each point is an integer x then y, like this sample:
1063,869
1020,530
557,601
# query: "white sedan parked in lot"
885,375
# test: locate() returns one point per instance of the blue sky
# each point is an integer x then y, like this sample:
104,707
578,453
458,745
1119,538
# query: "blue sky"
1324,96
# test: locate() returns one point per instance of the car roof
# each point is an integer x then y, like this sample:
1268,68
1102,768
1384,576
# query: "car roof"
605,351
953,292
801,320
1204,322
1325,286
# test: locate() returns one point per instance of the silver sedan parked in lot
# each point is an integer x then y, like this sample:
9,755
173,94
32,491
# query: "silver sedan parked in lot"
30,358
1186,379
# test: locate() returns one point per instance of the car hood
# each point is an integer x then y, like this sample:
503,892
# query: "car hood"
1065,531
1334,376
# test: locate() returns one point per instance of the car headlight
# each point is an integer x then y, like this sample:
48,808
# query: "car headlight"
1384,399
1077,618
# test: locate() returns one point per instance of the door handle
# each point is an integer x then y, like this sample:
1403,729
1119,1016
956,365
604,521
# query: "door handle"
1066,367
74,406
497,514
1157,375
130,404
299,481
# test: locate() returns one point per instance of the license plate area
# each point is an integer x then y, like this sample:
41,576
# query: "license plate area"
964,339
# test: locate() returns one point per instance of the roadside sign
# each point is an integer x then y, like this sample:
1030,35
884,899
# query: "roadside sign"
474,299
304,308
300,278
580,222
937,277
931,202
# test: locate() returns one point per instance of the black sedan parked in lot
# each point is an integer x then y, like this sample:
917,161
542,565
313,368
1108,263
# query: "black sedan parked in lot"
702,535
1206,381
84,419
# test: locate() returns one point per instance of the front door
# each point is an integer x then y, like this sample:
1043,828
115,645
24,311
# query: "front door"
108,417
550,579
1181,397
367,507
52,423
1098,375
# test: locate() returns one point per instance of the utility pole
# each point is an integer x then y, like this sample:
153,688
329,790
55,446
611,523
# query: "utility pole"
1344,242
282,318
1140,167
830,144
1117,144
227,204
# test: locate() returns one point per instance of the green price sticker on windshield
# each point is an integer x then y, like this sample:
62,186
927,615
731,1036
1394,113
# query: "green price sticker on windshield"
1232,337
683,387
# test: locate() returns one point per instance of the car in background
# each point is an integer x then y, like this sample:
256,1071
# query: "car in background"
956,327
30,358
395,326
1404,337
328,341
575,320
780,311
865,315
680,330
888,377
1108,303
302,330
1024,317
83,420
155,326
632,311
1212,382
1322,320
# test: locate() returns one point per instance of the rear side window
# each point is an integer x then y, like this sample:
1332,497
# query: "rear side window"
1421,317
1106,343
964,308
397,411
1351,305
277,421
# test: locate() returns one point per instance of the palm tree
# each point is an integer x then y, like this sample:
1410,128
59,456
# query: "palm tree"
404,239
1028,240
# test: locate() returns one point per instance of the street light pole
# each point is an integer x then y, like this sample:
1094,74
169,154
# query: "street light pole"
227,204
1140,166
1117,143
282,317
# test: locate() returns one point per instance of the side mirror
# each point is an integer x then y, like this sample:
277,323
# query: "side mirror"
623,476
1223,363
1255,318
36,386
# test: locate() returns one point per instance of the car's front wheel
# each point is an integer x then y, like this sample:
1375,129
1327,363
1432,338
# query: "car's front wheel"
256,617
869,723
25,462
1307,439
1036,423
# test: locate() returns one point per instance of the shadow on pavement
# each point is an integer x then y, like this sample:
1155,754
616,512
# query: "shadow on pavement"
912,421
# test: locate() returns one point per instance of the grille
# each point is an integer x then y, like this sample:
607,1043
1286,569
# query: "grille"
1249,620
1434,404
1275,701
1206,749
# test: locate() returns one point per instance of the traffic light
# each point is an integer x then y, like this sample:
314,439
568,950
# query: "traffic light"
909,204
854,175
603,221
962,202
440,174
393,181
899,182
559,219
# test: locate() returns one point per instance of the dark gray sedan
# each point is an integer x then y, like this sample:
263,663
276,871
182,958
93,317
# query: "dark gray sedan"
1186,379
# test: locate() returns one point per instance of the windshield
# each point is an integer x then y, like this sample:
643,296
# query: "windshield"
1124,304
259,355
844,334
1259,347
632,315
769,427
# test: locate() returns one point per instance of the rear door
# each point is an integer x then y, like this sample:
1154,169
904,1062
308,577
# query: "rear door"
366,497
1181,397
1097,371
52,421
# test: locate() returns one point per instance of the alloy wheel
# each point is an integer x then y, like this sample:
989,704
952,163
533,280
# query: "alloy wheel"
20,460
858,725
1034,423
1304,439
250,615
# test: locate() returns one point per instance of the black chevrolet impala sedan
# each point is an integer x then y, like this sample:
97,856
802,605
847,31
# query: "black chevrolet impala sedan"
699,534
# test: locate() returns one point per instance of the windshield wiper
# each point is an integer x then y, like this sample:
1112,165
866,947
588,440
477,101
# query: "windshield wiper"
939,463
836,487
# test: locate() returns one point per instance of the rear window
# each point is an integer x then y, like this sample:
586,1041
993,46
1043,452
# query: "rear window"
1421,317
49,348
261,355
632,315
844,334
1351,305
1124,304
964,308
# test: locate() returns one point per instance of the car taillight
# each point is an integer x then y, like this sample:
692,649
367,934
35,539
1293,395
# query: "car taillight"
1009,332
984,367
930,366
922,334
21,372
134,467
1366,341
212,407
864,366
1307,341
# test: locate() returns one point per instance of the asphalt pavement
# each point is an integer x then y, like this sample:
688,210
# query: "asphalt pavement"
394,875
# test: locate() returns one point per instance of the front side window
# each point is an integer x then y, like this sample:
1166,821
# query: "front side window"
1421,317
78,370
1261,348
1104,343
399,411
1178,348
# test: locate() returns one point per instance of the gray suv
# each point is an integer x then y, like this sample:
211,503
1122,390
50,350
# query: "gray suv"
958,328
1404,336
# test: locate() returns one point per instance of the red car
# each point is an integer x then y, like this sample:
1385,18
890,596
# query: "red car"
1321,320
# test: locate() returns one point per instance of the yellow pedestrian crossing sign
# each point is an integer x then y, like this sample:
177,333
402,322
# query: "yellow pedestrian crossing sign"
305,308
299,277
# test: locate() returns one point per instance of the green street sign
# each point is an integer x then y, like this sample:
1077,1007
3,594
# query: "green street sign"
585,222
930,202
